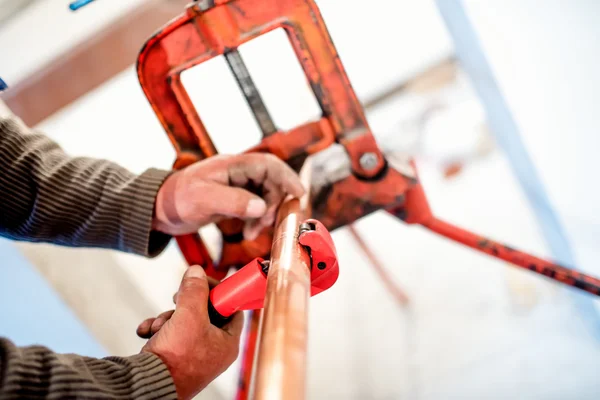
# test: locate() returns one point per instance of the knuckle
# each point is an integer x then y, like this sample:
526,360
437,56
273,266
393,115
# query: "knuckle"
245,159
192,285
273,159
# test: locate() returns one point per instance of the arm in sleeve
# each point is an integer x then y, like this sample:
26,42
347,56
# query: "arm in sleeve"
35,372
47,196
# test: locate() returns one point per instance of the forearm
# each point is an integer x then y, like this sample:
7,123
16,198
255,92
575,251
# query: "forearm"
37,373
47,196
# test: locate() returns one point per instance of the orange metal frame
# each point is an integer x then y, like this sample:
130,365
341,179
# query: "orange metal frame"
199,35
211,28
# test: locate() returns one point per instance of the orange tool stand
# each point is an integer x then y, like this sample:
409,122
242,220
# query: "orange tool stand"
209,29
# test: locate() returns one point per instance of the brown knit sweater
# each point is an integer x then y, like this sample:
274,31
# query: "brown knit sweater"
47,196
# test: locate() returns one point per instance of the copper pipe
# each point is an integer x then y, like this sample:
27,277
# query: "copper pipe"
282,340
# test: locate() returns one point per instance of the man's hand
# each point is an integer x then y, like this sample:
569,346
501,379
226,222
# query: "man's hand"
217,188
195,351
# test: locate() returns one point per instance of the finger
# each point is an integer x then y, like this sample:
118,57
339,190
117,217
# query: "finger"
273,197
160,321
262,168
166,315
156,325
235,326
276,172
212,282
143,329
252,229
192,296
221,200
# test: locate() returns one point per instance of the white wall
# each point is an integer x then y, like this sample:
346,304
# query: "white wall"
546,60
47,28
475,328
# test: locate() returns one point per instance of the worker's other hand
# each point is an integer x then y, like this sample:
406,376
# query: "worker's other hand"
195,351
150,326
248,186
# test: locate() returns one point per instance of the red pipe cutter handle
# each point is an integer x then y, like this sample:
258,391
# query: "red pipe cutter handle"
245,289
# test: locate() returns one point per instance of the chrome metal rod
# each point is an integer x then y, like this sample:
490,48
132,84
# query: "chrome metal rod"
244,80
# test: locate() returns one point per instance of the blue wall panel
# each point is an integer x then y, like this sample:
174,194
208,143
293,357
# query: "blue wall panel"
31,312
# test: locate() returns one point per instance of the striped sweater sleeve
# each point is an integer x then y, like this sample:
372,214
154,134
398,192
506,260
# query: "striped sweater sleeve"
37,373
48,196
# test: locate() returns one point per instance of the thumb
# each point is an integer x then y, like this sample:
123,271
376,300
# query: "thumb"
193,292
234,202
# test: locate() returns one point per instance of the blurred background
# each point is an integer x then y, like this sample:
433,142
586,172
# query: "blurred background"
496,101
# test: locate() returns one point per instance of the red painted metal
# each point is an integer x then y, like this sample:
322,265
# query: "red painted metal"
216,28
245,289
388,281
417,211
201,34
516,257
220,26
248,356
323,257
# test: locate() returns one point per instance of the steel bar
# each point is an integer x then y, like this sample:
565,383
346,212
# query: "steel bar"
282,343
553,271
246,84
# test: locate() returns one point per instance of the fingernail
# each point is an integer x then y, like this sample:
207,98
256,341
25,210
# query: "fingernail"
256,208
195,272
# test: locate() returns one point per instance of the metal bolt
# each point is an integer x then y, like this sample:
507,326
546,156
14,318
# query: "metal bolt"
321,265
368,161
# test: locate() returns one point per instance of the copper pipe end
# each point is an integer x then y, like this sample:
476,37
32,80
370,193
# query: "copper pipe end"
282,342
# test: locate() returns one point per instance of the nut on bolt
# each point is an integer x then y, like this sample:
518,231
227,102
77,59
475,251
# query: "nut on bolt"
368,161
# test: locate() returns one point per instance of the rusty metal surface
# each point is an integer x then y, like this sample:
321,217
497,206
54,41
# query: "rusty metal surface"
517,258
367,180
204,32
416,210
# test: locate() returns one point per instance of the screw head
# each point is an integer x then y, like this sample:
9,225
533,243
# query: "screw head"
368,161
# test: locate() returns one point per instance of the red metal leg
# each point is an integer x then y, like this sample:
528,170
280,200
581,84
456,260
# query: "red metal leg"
398,294
248,356
554,271
416,211
196,253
